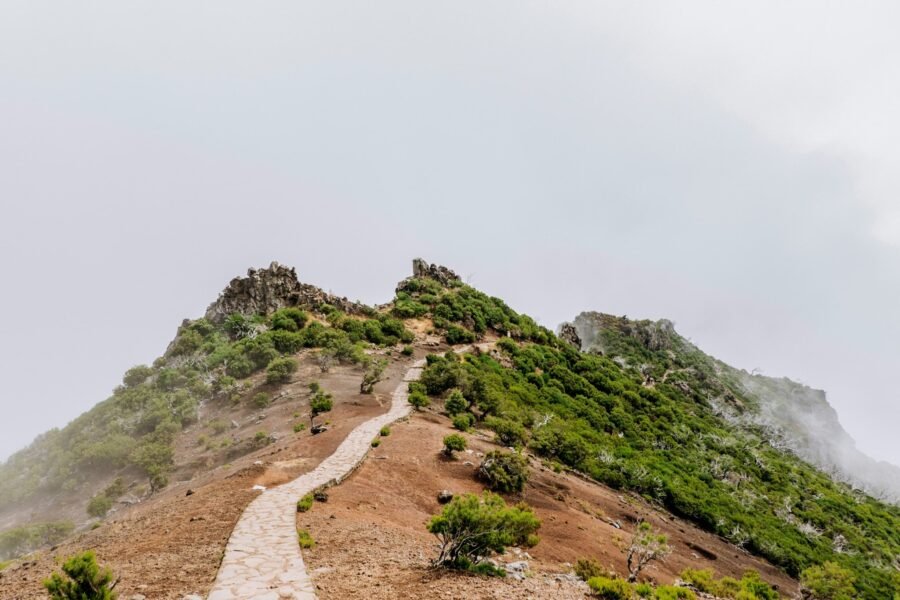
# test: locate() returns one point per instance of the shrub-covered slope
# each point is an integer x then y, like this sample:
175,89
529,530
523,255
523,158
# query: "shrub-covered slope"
649,417
130,438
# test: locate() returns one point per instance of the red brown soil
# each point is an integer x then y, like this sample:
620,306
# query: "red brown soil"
372,542
171,544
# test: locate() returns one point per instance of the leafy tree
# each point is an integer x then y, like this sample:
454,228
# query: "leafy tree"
504,472
646,546
280,370
509,433
470,528
82,579
828,581
288,319
454,443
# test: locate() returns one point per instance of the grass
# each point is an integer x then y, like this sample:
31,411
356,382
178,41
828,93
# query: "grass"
305,503
305,540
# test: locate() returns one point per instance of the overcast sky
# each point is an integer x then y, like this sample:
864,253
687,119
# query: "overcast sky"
730,166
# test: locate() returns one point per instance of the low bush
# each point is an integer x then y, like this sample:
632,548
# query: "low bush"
376,442
305,503
305,539
828,581
463,421
385,431
419,400
672,592
610,589
261,400
280,370
456,403
99,505
298,427
588,568
505,472
454,443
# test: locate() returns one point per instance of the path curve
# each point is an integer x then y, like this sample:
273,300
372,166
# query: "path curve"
262,559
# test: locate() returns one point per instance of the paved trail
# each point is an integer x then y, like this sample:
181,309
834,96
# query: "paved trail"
262,560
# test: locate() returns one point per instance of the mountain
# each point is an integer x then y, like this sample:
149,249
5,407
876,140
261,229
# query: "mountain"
792,416
619,422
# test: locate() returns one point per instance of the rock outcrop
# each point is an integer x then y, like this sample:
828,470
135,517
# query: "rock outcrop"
266,290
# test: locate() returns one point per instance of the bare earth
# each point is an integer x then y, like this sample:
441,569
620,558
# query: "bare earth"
371,538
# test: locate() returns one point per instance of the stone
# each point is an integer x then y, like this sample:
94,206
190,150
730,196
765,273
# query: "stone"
317,429
320,496
189,493
264,291
234,424
444,496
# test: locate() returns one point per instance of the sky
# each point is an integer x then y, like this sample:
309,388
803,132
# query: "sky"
731,166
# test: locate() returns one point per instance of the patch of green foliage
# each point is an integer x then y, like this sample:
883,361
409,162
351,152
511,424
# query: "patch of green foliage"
828,581
385,431
471,528
749,587
305,503
609,589
27,538
665,441
82,579
504,472
279,371
454,443
305,540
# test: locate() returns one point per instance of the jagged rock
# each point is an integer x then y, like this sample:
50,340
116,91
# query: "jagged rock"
235,424
444,496
424,270
317,429
266,290
516,570
189,493
137,597
568,333
320,496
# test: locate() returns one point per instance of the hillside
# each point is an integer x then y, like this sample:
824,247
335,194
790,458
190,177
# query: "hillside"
620,421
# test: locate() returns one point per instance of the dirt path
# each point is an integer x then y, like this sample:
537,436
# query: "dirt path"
262,560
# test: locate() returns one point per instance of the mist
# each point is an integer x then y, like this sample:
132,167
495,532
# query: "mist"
730,168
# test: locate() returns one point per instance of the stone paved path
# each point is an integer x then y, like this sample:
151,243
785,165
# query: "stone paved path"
262,560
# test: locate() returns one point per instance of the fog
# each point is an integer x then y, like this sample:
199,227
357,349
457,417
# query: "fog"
727,166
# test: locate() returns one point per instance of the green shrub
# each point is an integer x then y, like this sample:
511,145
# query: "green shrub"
218,426
376,442
471,528
305,503
261,400
385,431
505,472
99,505
454,443
828,581
298,427
320,403
671,592
280,370
261,438
588,568
407,351
463,421
643,590
137,375
288,319
305,539
456,403
81,579
609,589
508,432
27,538
457,335
419,400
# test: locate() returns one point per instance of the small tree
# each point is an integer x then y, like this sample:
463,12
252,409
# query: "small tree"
646,546
82,579
454,443
320,403
470,528
99,505
828,581
374,373
504,471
